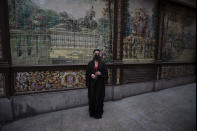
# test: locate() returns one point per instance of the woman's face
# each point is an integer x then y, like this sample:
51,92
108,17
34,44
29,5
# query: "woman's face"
97,53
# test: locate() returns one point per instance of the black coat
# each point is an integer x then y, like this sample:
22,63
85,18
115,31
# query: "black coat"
96,87
101,79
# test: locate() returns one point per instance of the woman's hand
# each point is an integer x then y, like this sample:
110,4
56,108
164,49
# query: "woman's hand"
93,76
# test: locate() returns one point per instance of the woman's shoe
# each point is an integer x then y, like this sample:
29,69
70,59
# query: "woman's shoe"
98,116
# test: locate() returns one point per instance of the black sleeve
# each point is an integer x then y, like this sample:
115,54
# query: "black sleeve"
88,74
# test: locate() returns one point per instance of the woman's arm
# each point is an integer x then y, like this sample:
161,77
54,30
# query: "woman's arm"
88,74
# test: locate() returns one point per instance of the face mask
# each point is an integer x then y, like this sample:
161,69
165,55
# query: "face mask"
96,57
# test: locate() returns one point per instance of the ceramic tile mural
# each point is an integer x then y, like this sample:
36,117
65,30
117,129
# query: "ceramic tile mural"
139,31
177,71
179,37
2,84
51,80
60,31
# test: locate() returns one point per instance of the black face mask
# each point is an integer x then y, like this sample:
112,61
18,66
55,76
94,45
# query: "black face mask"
96,57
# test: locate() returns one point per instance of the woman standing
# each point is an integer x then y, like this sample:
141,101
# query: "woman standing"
96,75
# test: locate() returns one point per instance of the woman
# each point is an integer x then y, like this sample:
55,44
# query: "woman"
96,75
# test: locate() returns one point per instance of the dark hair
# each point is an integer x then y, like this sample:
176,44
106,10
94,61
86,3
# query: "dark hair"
96,50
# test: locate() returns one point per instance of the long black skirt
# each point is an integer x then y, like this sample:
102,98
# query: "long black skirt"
96,94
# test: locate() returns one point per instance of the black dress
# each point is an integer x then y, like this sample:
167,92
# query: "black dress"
96,87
